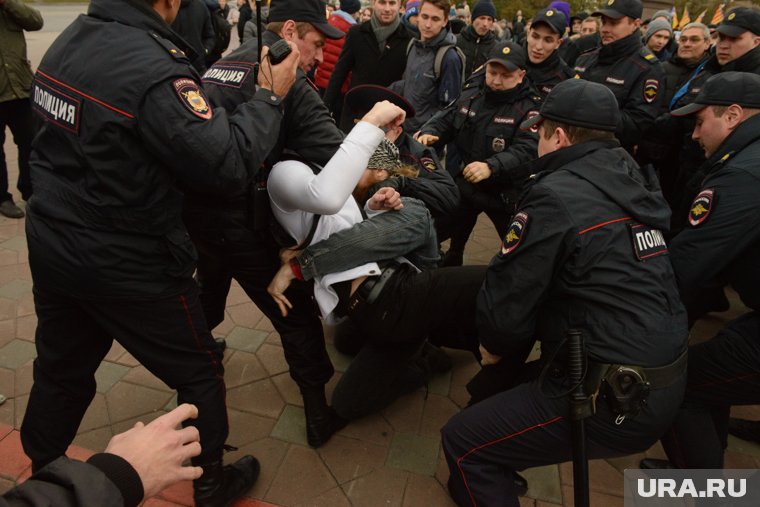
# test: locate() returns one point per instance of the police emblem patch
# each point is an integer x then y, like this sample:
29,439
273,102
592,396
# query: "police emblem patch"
651,86
701,207
498,144
192,97
533,128
514,233
428,163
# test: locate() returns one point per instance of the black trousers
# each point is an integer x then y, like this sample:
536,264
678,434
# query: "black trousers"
17,115
723,371
227,249
438,305
523,428
474,201
168,336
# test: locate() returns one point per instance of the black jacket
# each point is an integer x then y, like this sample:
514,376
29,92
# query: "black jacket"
475,48
548,73
636,78
368,64
105,218
720,243
585,251
105,479
193,24
571,49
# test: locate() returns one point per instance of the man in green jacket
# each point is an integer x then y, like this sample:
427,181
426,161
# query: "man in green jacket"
15,82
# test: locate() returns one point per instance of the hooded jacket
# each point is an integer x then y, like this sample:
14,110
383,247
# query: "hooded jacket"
475,48
547,74
586,250
15,71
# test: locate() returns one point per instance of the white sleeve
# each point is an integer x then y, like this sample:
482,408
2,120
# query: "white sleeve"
325,193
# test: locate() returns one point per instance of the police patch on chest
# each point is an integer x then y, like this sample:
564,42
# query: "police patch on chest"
647,242
192,97
498,144
224,74
503,120
701,207
514,233
56,107
651,87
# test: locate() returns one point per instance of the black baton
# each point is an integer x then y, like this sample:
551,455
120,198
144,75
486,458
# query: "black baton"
579,411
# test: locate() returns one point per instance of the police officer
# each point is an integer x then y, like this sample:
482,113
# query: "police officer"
719,247
434,186
109,255
583,251
484,126
627,68
233,234
545,66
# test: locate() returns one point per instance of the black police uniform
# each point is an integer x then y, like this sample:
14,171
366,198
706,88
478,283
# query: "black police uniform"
548,73
720,246
575,256
484,126
635,76
232,245
109,254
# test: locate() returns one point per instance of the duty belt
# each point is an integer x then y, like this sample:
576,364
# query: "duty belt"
371,288
658,378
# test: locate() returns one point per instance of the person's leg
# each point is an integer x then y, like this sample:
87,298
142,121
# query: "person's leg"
5,117
70,347
722,372
21,124
463,222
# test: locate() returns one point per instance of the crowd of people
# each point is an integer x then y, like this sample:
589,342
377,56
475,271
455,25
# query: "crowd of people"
323,164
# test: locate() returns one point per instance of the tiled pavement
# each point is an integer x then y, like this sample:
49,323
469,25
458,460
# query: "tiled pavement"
389,459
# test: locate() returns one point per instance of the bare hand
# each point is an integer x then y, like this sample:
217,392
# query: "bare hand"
487,358
157,451
278,78
427,139
386,198
385,115
476,171
288,253
279,285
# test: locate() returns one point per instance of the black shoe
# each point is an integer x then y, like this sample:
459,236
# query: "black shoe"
655,464
321,419
220,486
452,258
9,209
221,343
434,360
745,429
521,484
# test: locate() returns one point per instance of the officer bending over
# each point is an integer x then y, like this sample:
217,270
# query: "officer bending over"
119,137
584,252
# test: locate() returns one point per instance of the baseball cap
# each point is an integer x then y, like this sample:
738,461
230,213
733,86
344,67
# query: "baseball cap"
362,98
725,89
553,18
304,11
508,54
616,9
740,20
581,103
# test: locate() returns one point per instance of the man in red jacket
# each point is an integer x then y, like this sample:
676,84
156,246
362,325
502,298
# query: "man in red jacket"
348,15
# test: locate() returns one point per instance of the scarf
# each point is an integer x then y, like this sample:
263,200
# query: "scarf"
382,32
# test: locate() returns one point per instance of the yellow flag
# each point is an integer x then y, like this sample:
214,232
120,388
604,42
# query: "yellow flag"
718,16
685,20
675,17
701,16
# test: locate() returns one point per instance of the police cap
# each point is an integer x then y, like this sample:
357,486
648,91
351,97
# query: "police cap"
362,98
552,18
616,9
509,55
581,103
725,89
304,11
740,20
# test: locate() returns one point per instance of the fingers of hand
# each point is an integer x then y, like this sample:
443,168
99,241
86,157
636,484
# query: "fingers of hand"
189,434
176,416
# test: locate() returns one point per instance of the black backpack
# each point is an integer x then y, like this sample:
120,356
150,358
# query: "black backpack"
222,31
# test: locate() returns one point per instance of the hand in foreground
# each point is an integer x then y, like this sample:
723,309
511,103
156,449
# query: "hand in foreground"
157,450
476,171
278,78
386,198
385,115
487,357
279,285
427,139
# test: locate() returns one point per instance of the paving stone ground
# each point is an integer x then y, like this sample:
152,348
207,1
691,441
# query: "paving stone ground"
389,459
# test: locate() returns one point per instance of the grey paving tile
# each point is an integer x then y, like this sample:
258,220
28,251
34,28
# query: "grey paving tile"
440,384
301,477
348,458
243,338
125,401
258,397
108,374
544,483
242,368
383,487
291,426
424,491
16,243
743,447
413,453
339,360
16,353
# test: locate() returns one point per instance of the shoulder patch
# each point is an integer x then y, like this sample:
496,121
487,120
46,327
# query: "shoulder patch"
651,87
192,97
227,74
701,207
514,233
428,163
534,128
647,242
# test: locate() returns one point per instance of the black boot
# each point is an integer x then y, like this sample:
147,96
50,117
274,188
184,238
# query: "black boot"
745,429
220,486
321,420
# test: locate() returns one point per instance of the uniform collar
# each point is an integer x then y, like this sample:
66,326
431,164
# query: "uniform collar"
549,163
616,50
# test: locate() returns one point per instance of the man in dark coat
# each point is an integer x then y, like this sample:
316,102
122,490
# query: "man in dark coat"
193,24
477,39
